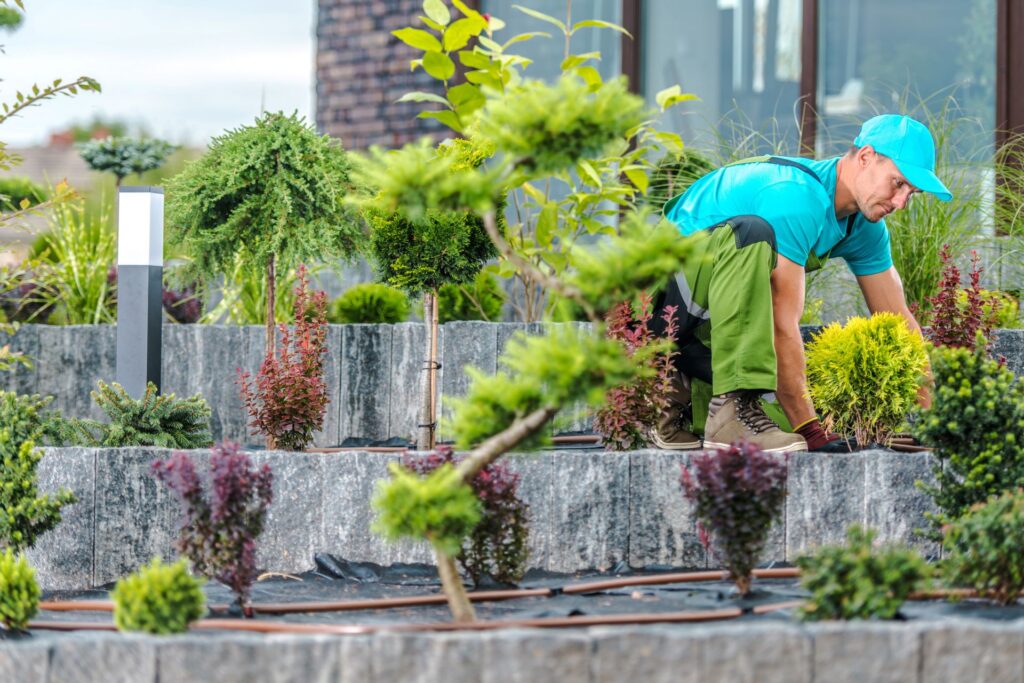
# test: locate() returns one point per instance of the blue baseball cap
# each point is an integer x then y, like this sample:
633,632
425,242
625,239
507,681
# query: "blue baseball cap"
909,144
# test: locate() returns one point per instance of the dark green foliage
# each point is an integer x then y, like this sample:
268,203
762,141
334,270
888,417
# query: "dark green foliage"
24,514
984,548
153,420
481,300
976,425
548,128
159,598
19,591
16,189
438,507
497,547
738,493
369,302
859,581
124,156
674,174
275,188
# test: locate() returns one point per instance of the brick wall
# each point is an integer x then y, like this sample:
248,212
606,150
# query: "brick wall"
361,69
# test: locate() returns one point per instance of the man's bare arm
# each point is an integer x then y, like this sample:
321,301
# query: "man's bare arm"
788,306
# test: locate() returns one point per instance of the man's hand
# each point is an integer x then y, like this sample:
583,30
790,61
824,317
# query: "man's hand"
787,307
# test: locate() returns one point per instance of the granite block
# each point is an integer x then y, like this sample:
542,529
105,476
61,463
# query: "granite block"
21,379
649,654
71,360
535,656
103,658
408,351
761,653
222,350
179,363
662,523
536,490
137,518
355,659
972,651
893,505
292,533
63,557
244,659
365,383
465,344
428,657
330,435
24,662
507,331
854,652
589,518
575,417
826,495
1010,345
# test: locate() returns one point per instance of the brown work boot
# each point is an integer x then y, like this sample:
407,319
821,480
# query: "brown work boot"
672,431
737,416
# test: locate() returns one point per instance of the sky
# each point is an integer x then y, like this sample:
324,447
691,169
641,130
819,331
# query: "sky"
184,69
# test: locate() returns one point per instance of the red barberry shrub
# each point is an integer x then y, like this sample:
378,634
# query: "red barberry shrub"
956,320
497,547
632,410
219,530
738,493
289,399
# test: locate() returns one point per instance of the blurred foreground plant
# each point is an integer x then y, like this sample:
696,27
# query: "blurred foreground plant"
159,598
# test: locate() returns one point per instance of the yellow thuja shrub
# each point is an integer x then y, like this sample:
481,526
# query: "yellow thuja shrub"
863,377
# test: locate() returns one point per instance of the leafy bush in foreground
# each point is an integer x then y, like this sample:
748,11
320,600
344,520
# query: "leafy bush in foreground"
159,598
24,514
984,548
19,591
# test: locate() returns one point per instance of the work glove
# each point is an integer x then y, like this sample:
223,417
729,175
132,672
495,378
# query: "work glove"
820,441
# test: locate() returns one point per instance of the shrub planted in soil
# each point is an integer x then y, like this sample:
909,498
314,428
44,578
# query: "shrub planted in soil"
220,528
497,546
738,493
159,598
859,581
24,514
370,302
19,591
976,426
984,548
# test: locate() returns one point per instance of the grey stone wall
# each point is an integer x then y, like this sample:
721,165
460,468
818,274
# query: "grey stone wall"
766,652
589,509
373,371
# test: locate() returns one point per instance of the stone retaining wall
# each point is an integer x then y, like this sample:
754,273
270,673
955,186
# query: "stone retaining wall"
766,652
590,509
372,371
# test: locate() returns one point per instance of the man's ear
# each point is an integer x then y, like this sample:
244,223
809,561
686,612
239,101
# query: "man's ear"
864,155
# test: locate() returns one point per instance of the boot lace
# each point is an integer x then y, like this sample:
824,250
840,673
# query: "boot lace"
751,413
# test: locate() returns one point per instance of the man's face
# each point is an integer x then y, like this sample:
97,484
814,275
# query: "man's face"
880,188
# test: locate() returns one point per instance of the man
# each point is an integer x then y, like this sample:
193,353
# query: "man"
766,222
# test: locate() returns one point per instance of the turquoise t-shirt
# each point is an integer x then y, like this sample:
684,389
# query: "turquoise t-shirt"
799,208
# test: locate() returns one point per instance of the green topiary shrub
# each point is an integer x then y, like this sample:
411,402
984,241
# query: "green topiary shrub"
16,190
25,515
738,492
976,426
984,548
19,591
864,377
153,420
369,302
859,581
159,598
482,300
124,156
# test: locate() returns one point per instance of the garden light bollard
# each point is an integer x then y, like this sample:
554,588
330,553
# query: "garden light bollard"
140,241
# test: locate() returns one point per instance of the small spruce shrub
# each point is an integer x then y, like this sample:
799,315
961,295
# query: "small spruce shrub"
124,156
497,546
632,410
28,419
859,581
864,377
19,591
959,314
161,420
976,426
738,493
480,300
24,514
288,400
984,548
369,302
159,598
220,528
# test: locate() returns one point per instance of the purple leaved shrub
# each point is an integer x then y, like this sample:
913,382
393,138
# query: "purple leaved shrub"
738,492
219,531
184,305
497,547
